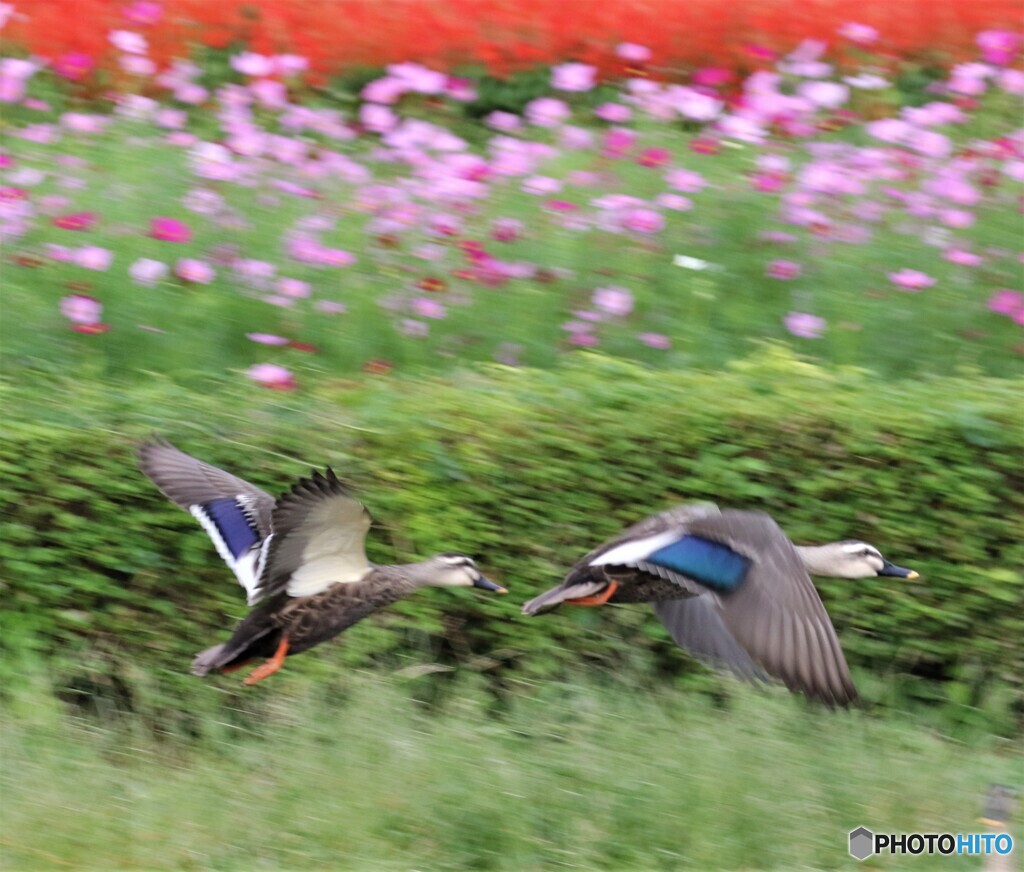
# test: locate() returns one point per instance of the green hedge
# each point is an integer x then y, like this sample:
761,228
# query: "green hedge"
111,586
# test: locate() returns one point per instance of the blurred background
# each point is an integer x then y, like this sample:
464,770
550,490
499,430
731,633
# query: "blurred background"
522,273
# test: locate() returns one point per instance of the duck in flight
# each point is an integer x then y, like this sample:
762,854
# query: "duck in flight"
300,558
733,590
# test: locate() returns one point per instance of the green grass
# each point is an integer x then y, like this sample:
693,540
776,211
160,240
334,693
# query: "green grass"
358,774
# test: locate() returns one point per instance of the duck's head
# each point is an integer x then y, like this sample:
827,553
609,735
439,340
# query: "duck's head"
457,570
851,559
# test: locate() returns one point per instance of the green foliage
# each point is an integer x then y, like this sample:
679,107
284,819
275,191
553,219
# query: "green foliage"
351,773
116,589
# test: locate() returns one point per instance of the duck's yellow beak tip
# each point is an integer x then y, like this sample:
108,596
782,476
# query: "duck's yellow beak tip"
913,574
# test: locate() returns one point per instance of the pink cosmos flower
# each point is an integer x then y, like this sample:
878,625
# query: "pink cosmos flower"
616,113
144,12
460,89
1012,81
191,93
137,65
998,46
266,338
641,220
573,77
169,230
675,202
147,272
575,138
911,280
73,66
541,185
958,218
1006,302
614,301
377,118
654,157
81,309
504,121
336,257
828,95
506,229
129,42
547,112
272,376
631,51
290,64
330,307
859,33
961,257
426,307
617,142
294,288
930,143
251,64
783,269
712,77
195,271
686,181
655,340
412,327
804,325
94,257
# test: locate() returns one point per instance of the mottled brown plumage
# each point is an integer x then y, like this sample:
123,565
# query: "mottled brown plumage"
300,558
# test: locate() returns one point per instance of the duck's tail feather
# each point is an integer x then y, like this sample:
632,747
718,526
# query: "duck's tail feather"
211,659
553,598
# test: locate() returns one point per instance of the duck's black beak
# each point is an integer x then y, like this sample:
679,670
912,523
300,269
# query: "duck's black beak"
896,571
487,584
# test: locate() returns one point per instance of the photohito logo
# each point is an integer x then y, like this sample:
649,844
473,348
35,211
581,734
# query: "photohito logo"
864,843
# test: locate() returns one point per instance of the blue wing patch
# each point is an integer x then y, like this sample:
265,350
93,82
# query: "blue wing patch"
234,524
713,564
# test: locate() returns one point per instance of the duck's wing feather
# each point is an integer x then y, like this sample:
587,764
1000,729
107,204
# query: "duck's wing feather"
696,624
319,530
235,513
775,614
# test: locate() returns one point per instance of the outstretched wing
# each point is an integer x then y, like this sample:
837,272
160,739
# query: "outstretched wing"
319,530
774,613
235,514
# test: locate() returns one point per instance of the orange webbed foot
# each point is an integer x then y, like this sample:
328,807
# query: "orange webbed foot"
271,666
598,599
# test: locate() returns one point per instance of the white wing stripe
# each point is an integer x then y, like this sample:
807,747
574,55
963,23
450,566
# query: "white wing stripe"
630,553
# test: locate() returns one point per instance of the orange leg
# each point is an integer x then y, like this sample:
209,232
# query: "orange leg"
597,599
271,666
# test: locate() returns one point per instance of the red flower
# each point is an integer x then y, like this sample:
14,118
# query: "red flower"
378,366
75,221
705,146
431,284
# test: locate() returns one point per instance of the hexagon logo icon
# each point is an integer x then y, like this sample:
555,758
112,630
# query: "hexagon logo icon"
862,843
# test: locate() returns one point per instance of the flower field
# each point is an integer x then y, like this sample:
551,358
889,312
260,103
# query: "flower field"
233,216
